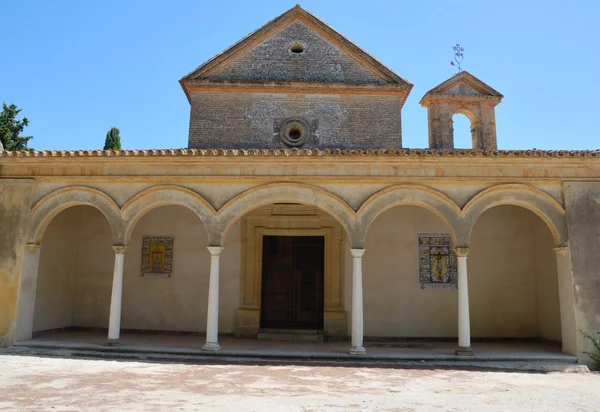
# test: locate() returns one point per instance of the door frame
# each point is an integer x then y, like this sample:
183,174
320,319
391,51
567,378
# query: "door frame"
295,220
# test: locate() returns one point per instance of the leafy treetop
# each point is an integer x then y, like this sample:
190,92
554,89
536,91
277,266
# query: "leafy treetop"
11,128
113,140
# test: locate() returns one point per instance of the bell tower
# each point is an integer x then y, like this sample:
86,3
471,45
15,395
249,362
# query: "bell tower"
465,94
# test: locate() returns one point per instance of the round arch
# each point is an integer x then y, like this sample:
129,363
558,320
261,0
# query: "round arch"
290,193
52,204
540,203
413,195
165,195
470,113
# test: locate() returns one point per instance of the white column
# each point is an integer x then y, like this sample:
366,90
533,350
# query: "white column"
464,328
114,324
212,318
567,301
27,290
357,303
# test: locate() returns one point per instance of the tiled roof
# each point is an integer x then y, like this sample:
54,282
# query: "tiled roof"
531,153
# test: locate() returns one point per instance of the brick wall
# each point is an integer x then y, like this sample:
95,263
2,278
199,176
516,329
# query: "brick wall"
320,61
251,120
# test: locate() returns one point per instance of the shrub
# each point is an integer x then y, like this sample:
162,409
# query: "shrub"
595,355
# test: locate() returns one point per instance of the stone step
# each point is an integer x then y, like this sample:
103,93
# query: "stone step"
302,335
166,354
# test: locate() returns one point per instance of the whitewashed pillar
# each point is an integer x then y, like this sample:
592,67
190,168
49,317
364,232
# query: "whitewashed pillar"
114,324
212,318
567,300
357,303
27,291
464,322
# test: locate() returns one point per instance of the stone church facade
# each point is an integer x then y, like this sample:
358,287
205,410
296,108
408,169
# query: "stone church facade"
295,208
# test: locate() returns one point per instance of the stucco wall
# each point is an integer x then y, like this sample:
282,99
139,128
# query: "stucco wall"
513,286
583,220
167,303
393,303
179,302
251,120
58,269
15,198
94,272
547,298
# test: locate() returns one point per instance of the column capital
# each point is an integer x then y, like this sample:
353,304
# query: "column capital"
561,251
119,249
357,252
33,247
215,250
461,251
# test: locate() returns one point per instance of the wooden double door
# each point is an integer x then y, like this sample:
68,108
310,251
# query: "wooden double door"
292,282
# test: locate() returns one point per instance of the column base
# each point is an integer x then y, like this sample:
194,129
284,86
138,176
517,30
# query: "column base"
358,351
113,342
212,346
464,351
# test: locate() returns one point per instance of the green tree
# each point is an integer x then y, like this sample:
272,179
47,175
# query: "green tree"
10,129
113,140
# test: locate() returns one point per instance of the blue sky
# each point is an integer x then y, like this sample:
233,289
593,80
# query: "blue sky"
77,68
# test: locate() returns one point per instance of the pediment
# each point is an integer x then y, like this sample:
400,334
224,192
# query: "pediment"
464,83
295,47
462,86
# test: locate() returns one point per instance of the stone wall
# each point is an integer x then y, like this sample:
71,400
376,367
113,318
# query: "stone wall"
252,120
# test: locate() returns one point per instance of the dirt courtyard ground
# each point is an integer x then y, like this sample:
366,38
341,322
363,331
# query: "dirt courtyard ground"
65,384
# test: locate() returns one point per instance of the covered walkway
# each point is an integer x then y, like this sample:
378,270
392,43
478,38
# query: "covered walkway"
412,350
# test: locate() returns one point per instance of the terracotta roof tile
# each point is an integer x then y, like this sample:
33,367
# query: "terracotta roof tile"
531,153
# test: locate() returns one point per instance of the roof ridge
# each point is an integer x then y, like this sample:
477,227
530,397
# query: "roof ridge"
593,153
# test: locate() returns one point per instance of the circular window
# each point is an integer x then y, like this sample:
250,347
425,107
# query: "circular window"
297,48
294,132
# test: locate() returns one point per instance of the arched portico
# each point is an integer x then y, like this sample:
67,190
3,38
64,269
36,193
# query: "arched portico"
412,195
170,195
52,204
288,193
41,215
164,195
540,203
287,211
66,277
528,243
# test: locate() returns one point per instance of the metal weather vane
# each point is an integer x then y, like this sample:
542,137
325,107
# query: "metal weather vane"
458,56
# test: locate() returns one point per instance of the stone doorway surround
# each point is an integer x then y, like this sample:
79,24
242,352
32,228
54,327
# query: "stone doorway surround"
291,220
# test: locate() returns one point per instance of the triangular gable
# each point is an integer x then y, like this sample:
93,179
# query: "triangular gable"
464,83
249,59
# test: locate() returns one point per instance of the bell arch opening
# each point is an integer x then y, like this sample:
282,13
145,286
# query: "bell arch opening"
463,132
